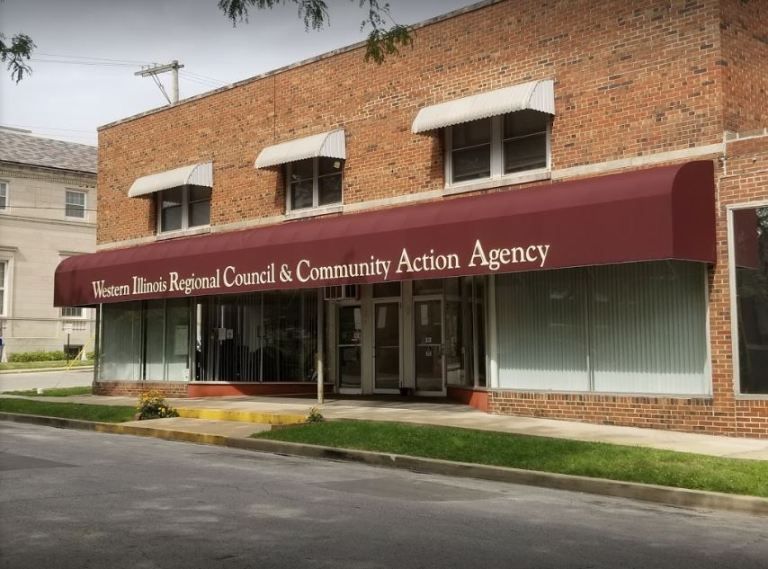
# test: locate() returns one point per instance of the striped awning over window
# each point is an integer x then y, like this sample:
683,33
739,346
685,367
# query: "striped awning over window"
535,95
327,144
194,174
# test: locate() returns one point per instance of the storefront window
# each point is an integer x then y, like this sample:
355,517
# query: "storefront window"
257,337
632,328
120,350
750,232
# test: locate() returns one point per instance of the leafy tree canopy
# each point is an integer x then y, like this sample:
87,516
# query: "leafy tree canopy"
384,38
15,53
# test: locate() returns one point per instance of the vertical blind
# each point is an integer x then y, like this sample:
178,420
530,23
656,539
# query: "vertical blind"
633,328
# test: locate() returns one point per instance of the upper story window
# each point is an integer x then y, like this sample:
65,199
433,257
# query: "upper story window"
314,182
498,146
183,196
183,207
3,196
498,135
74,204
313,170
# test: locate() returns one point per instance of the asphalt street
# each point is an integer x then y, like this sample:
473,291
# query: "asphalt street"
71,499
33,380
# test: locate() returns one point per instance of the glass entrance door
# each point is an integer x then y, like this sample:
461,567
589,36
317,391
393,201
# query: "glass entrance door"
386,338
428,329
350,336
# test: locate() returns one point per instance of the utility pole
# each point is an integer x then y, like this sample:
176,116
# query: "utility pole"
155,70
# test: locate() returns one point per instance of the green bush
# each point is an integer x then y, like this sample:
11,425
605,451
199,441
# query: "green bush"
90,355
39,356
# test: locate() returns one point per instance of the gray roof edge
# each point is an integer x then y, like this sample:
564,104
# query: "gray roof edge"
326,55
55,168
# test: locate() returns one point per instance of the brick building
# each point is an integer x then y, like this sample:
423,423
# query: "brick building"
553,209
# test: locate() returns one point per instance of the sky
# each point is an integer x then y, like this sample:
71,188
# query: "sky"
88,50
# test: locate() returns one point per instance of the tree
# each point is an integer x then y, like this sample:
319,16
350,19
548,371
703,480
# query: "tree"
20,48
382,40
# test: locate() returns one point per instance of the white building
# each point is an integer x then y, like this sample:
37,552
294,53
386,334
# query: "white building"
47,213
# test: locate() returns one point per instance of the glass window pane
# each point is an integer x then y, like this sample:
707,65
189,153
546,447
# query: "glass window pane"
542,330
154,327
176,339
172,197
3,195
751,258
524,122
471,133
301,194
471,164
329,166
170,218
385,290
301,170
648,328
199,193
199,213
75,204
120,349
428,286
329,188
526,153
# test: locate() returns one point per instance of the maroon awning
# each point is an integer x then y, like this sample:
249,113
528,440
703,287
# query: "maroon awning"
653,214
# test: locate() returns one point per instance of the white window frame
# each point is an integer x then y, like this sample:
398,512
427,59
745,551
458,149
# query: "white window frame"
6,258
80,316
5,191
735,363
69,191
497,177
315,208
185,228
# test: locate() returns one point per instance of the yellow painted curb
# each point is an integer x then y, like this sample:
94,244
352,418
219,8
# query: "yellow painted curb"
242,416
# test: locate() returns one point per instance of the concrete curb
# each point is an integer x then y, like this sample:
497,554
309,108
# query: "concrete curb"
240,416
47,369
635,491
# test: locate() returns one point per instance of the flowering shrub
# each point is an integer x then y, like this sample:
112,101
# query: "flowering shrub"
152,405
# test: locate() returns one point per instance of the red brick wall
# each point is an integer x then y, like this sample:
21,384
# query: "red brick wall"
631,78
745,63
134,389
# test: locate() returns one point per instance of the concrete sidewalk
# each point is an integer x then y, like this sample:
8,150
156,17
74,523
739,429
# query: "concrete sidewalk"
225,416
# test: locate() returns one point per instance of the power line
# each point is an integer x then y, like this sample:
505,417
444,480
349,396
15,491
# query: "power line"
62,56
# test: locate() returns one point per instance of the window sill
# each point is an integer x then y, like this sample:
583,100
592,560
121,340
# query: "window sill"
314,211
183,233
751,396
488,183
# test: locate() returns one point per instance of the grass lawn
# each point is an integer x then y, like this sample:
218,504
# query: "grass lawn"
10,366
53,392
102,413
599,460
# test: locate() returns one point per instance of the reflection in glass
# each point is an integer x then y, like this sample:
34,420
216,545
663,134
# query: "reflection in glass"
751,259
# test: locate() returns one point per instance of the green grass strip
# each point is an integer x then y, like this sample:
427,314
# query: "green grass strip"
53,392
101,413
597,460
